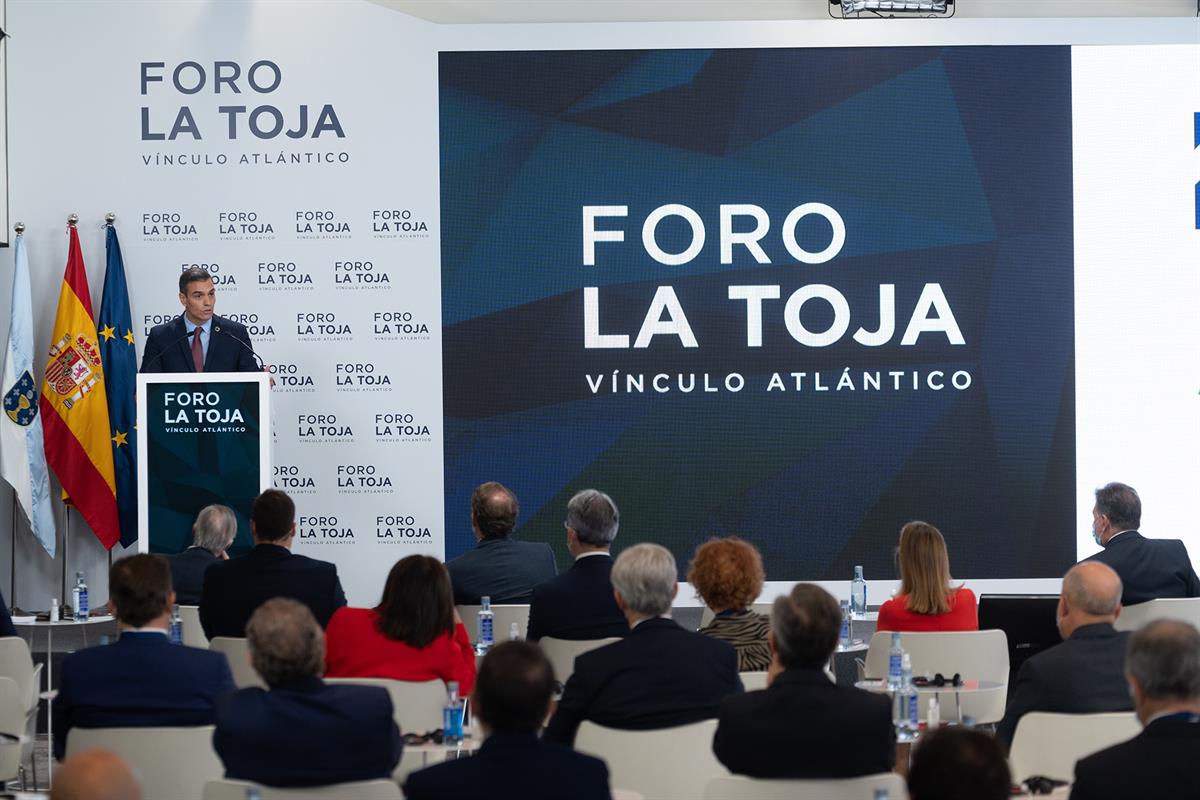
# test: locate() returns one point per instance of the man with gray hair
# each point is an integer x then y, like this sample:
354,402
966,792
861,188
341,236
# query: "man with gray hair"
1085,674
1163,668
301,731
213,533
659,675
579,604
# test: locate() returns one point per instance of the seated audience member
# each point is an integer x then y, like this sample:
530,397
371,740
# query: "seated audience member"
728,575
658,676
511,701
234,589
95,775
1084,674
500,567
212,534
927,601
1149,568
579,604
1164,676
958,764
414,634
141,679
803,725
6,623
301,732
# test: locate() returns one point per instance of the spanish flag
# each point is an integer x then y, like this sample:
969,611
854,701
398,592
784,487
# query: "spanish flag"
75,408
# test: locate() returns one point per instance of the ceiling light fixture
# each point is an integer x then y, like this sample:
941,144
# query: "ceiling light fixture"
854,9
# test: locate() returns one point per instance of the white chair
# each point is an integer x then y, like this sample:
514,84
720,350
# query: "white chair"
502,619
1133,617
742,788
753,680
416,705
1050,744
976,655
707,615
169,763
17,663
193,632
562,653
12,723
238,653
358,790
665,763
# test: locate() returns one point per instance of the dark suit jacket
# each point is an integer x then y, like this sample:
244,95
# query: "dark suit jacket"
234,589
805,726
658,676
513,767
578,604
169,349
137,681
6,623
307,733
1158,762
187,574
503,568
1083,675
1149,568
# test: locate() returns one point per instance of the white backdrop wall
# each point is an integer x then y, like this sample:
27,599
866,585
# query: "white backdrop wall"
76,145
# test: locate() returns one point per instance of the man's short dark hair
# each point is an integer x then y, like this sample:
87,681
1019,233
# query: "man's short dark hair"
806,624
139,587
273,514
957,763
1164,659
495,510
1121,504
192,275
514,688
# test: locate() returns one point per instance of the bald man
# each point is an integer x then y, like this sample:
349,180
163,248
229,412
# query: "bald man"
95,775
1086,673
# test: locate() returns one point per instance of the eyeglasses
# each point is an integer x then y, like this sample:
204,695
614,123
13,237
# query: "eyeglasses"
432,737
938,680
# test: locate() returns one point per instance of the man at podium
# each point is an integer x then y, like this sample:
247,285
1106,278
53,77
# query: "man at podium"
198,340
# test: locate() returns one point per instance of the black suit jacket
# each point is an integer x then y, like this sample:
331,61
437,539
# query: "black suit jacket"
1083,675
578,604
513,767
658,676
6,623
169,349
504,569
1158,762
1149,568
307,733
187,574
805,726
234,589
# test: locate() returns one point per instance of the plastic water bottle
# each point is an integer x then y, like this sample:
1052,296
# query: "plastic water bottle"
895,662
452,716
514,632
909,693
844,636
54,612
79,598
253,793
881,794
935,715
487,636
858,593
176,626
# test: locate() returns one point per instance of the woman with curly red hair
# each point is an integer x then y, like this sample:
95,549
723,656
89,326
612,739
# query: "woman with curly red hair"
728,575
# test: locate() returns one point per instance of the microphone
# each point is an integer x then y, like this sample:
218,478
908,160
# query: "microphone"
163,352
257,358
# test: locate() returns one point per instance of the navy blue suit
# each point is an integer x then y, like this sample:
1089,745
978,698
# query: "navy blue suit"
169,348
187,574
501,568
1158,762
139,680
578,604
658,676
1149,568
6,623
513,767
233,589
307,733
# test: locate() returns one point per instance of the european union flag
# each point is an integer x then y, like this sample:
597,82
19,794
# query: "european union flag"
119,357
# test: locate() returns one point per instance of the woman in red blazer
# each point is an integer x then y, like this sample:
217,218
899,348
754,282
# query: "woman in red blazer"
414,634
927,601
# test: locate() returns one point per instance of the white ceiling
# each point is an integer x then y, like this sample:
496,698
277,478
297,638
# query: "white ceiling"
502,11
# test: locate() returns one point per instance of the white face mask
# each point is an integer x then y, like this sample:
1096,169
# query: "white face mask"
1096,536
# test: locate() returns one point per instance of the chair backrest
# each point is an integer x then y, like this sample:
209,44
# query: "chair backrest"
706,616
562,653
742,788
1050,744
193,632
238,653
502,619
358,790
416,705
1186,609
17,663
668,762
753,680
169,763
12,722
